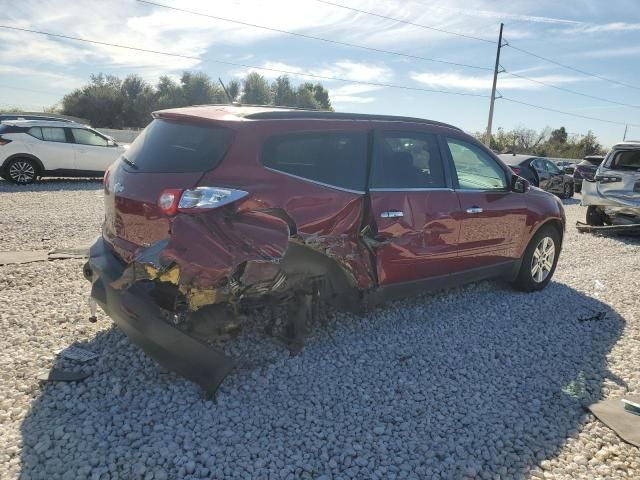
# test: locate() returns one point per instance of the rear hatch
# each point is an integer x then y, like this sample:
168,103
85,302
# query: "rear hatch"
167,155
619,179
587,168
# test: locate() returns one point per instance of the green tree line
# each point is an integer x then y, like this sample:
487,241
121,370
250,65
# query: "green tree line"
544,143
110,102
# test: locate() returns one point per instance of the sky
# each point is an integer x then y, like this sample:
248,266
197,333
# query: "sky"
591,35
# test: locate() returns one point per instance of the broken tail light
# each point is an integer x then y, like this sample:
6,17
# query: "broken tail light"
516,170
171,200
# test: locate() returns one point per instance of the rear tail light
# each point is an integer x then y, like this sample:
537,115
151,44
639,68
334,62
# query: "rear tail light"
168,201
172,199
4,141
516,170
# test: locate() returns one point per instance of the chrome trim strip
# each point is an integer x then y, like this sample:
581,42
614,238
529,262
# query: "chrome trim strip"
411,189
358,192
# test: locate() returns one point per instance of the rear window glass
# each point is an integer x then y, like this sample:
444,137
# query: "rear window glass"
626,160
172,147
591,162
336,159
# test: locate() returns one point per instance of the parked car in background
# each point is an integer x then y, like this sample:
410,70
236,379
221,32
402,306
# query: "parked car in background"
19,116
541,173
216,209
38,148
586,169
612,196
566,166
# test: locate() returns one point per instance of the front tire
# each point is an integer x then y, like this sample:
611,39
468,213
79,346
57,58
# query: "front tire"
595,217
22,171
539,260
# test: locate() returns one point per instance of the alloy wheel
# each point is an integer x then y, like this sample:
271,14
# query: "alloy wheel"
542,261
22,171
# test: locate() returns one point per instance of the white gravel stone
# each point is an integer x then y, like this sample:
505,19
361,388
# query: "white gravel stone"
476,382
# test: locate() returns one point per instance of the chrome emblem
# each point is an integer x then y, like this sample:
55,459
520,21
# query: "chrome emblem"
118,187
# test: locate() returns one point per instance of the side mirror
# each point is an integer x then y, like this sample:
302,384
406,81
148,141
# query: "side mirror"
519,184
111,142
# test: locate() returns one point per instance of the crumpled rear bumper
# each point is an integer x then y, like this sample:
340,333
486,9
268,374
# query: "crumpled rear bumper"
137,314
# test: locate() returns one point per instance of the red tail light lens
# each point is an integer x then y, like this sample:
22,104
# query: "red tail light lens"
4,141
169,200
516,170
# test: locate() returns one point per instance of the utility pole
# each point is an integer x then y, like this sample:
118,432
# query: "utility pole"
496,71
624,137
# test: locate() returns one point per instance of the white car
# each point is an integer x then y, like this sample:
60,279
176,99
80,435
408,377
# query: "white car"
37,148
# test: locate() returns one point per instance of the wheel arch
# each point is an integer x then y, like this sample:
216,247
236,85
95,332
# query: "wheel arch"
38,162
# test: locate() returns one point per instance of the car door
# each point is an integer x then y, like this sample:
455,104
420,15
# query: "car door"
544,177
413,205
492,217
556,177
93,152
53,147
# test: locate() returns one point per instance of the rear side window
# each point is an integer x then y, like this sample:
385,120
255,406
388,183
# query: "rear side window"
626,160
407,160
172,147
475,169
336,159
36,132
52,134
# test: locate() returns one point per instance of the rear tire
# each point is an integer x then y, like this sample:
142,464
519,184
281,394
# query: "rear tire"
595,217
539,260
22,171
577,188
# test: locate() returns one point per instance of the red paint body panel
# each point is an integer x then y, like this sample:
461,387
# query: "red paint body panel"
434,237
423,242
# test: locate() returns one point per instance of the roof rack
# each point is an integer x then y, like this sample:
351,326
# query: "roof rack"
320,114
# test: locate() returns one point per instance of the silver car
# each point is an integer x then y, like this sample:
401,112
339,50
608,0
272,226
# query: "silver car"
613,196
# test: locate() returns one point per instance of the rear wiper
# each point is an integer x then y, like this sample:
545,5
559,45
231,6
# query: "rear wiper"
131,163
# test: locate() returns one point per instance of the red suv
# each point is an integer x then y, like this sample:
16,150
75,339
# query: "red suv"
214,210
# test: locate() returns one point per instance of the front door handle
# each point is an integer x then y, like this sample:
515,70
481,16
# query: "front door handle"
392,214
474,210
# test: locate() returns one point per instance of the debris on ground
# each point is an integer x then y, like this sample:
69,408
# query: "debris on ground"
77,354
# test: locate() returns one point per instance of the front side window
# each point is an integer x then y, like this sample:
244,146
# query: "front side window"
53,134
551,168
336,159
475,169
87,137
406,160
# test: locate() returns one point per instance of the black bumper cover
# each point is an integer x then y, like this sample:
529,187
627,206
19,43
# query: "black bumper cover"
142,320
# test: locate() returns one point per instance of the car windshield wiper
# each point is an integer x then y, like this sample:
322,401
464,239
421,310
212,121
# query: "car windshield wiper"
131,163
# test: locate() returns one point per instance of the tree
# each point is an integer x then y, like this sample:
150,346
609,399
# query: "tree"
256,90
283,93
321,95
137,101
234,90
559,136
197,89
100,101
168,94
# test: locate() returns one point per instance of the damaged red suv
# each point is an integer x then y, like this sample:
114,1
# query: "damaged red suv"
214,210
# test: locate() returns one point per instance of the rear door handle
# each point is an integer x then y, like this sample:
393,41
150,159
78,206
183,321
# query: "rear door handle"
392,214
474,210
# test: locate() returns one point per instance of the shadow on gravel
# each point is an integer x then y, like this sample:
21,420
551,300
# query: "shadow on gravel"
49,184
476,382
570,201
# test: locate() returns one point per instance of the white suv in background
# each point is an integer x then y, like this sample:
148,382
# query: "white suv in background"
37,148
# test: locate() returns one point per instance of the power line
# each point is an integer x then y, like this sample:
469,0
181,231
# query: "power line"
313,37
406,22
563,89
244,65
540,107
574,69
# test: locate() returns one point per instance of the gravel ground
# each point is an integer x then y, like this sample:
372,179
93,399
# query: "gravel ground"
477,382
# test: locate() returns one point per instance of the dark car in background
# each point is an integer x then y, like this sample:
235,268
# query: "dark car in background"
541,172
586,169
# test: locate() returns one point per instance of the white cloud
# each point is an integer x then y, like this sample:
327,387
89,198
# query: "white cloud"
607,27
458,81
53,80
347,99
